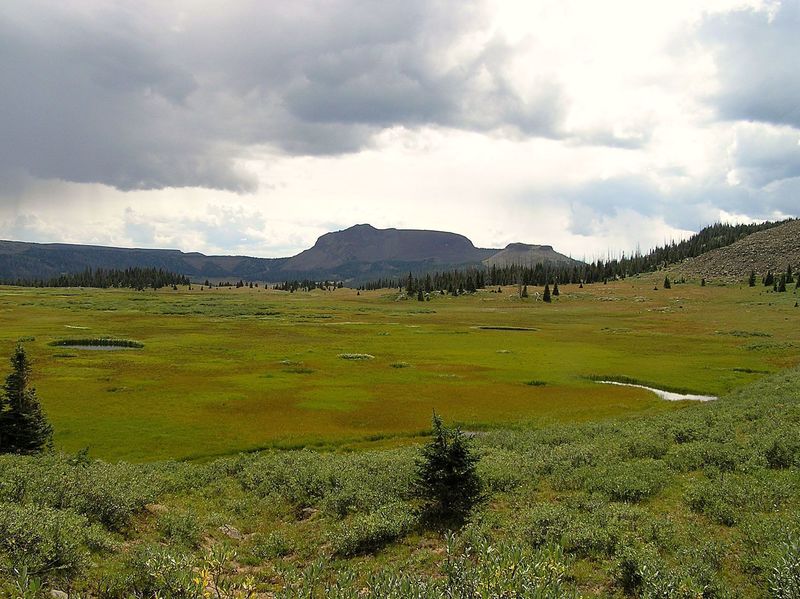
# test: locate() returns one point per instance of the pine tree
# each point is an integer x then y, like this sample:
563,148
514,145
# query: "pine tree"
703,283
556,292
546,296
782,284
410,284
447,477
23,426
420,295
752,280
667,284
524,292
769,280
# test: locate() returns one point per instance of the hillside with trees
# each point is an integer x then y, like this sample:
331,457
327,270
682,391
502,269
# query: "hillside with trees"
764,251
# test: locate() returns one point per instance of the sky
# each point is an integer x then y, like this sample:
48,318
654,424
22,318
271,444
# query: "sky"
251,127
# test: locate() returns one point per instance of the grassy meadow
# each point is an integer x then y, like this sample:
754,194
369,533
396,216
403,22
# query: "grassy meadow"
230,370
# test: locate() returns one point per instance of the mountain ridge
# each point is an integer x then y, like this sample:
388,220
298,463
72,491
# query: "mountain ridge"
356,253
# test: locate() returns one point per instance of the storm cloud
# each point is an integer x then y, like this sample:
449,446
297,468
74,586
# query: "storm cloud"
150,95
756,54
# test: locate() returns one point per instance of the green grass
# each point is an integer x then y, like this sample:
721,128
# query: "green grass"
224,371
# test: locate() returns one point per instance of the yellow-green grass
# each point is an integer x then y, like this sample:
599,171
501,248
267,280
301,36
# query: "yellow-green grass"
228,370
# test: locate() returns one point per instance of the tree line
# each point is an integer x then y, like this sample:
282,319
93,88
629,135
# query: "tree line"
308,285
541,274
134,278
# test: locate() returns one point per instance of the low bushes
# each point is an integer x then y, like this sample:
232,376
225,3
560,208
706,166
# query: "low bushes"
44,541
109,494
625,481
337,484
368,532
727,498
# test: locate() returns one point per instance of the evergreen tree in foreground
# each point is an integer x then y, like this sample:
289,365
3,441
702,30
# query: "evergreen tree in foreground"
667,283
447,477
752,280
556,292
23,426
546,297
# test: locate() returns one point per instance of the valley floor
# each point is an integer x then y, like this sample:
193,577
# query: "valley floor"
229,370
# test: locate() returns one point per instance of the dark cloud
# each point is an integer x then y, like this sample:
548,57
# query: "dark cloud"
144,95
764,154
756,57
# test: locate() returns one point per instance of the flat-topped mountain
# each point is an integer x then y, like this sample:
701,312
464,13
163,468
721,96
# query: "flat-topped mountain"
773,249
366,244
525,254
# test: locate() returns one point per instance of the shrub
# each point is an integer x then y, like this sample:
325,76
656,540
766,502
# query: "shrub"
506,570
180,527
783,449
725,457
645,445
726,498
765,538
500,471
633,564
784,578
544,523
160,572
369,532
275,544
339,484
628,481
106,493
41,540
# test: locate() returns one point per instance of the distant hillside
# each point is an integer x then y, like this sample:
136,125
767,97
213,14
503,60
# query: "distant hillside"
22,260
364,244
524,254
772,249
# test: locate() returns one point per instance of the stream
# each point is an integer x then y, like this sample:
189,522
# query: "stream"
668,395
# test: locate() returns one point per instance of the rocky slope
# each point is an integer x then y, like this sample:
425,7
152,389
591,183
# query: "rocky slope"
772,249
